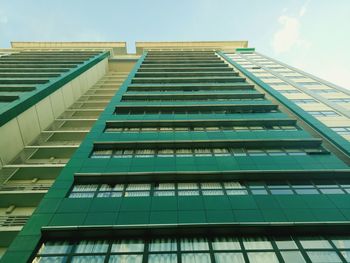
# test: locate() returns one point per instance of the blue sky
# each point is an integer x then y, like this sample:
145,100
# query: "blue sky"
312,35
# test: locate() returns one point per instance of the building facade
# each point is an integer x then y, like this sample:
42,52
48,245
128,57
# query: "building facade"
190,152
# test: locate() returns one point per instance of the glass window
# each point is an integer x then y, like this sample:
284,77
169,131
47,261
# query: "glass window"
237,192
183,152
292,257
50,260
101,153
81,195
163,244
229,258
55,247
195,257
90,258
164,186
233,185
281,191
194,244
262,257
92,246
306,191
166,152
210,185
286,244
160,258
187,186
109,194
85,188
202,152
342,243
226,243
332,191
138,187
132,245
256,152
221,152
212,192
257,243
275,152
238,152
323,256
187,192
137,193
259,192
315,243
125,259
346,255
164,193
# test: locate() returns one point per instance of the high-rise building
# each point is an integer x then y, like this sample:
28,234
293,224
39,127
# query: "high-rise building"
190,152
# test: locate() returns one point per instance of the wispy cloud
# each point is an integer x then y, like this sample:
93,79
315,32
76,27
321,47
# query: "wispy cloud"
288,35
3,18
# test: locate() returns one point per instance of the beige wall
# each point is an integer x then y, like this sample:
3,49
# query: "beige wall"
121,65
22,130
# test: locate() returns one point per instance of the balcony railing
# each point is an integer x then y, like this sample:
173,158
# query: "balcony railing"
25,187
17,220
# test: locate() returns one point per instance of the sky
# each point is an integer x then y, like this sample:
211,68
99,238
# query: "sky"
313,35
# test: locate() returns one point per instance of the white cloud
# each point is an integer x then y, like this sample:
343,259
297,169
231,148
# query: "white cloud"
303,8
288,35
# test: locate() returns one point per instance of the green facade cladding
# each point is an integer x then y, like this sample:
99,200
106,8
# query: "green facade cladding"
187,147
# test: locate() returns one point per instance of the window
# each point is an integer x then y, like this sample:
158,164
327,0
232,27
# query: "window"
304,101
201,129
211,98
209,188
291,91
324,90
295,77
267,77
342,130
340,100
278,83
224,249
205,152
309,83
189,110
323,113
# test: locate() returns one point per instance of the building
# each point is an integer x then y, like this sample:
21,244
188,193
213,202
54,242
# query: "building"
327,102
197,157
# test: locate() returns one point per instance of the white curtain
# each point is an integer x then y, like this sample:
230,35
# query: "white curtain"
88,259
125,259
131,245
195,258
211,186
85,188
257,243
92,246
81,195
229,258
194,244
49,260
54,247
262,257
163,244
162,258
226,243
